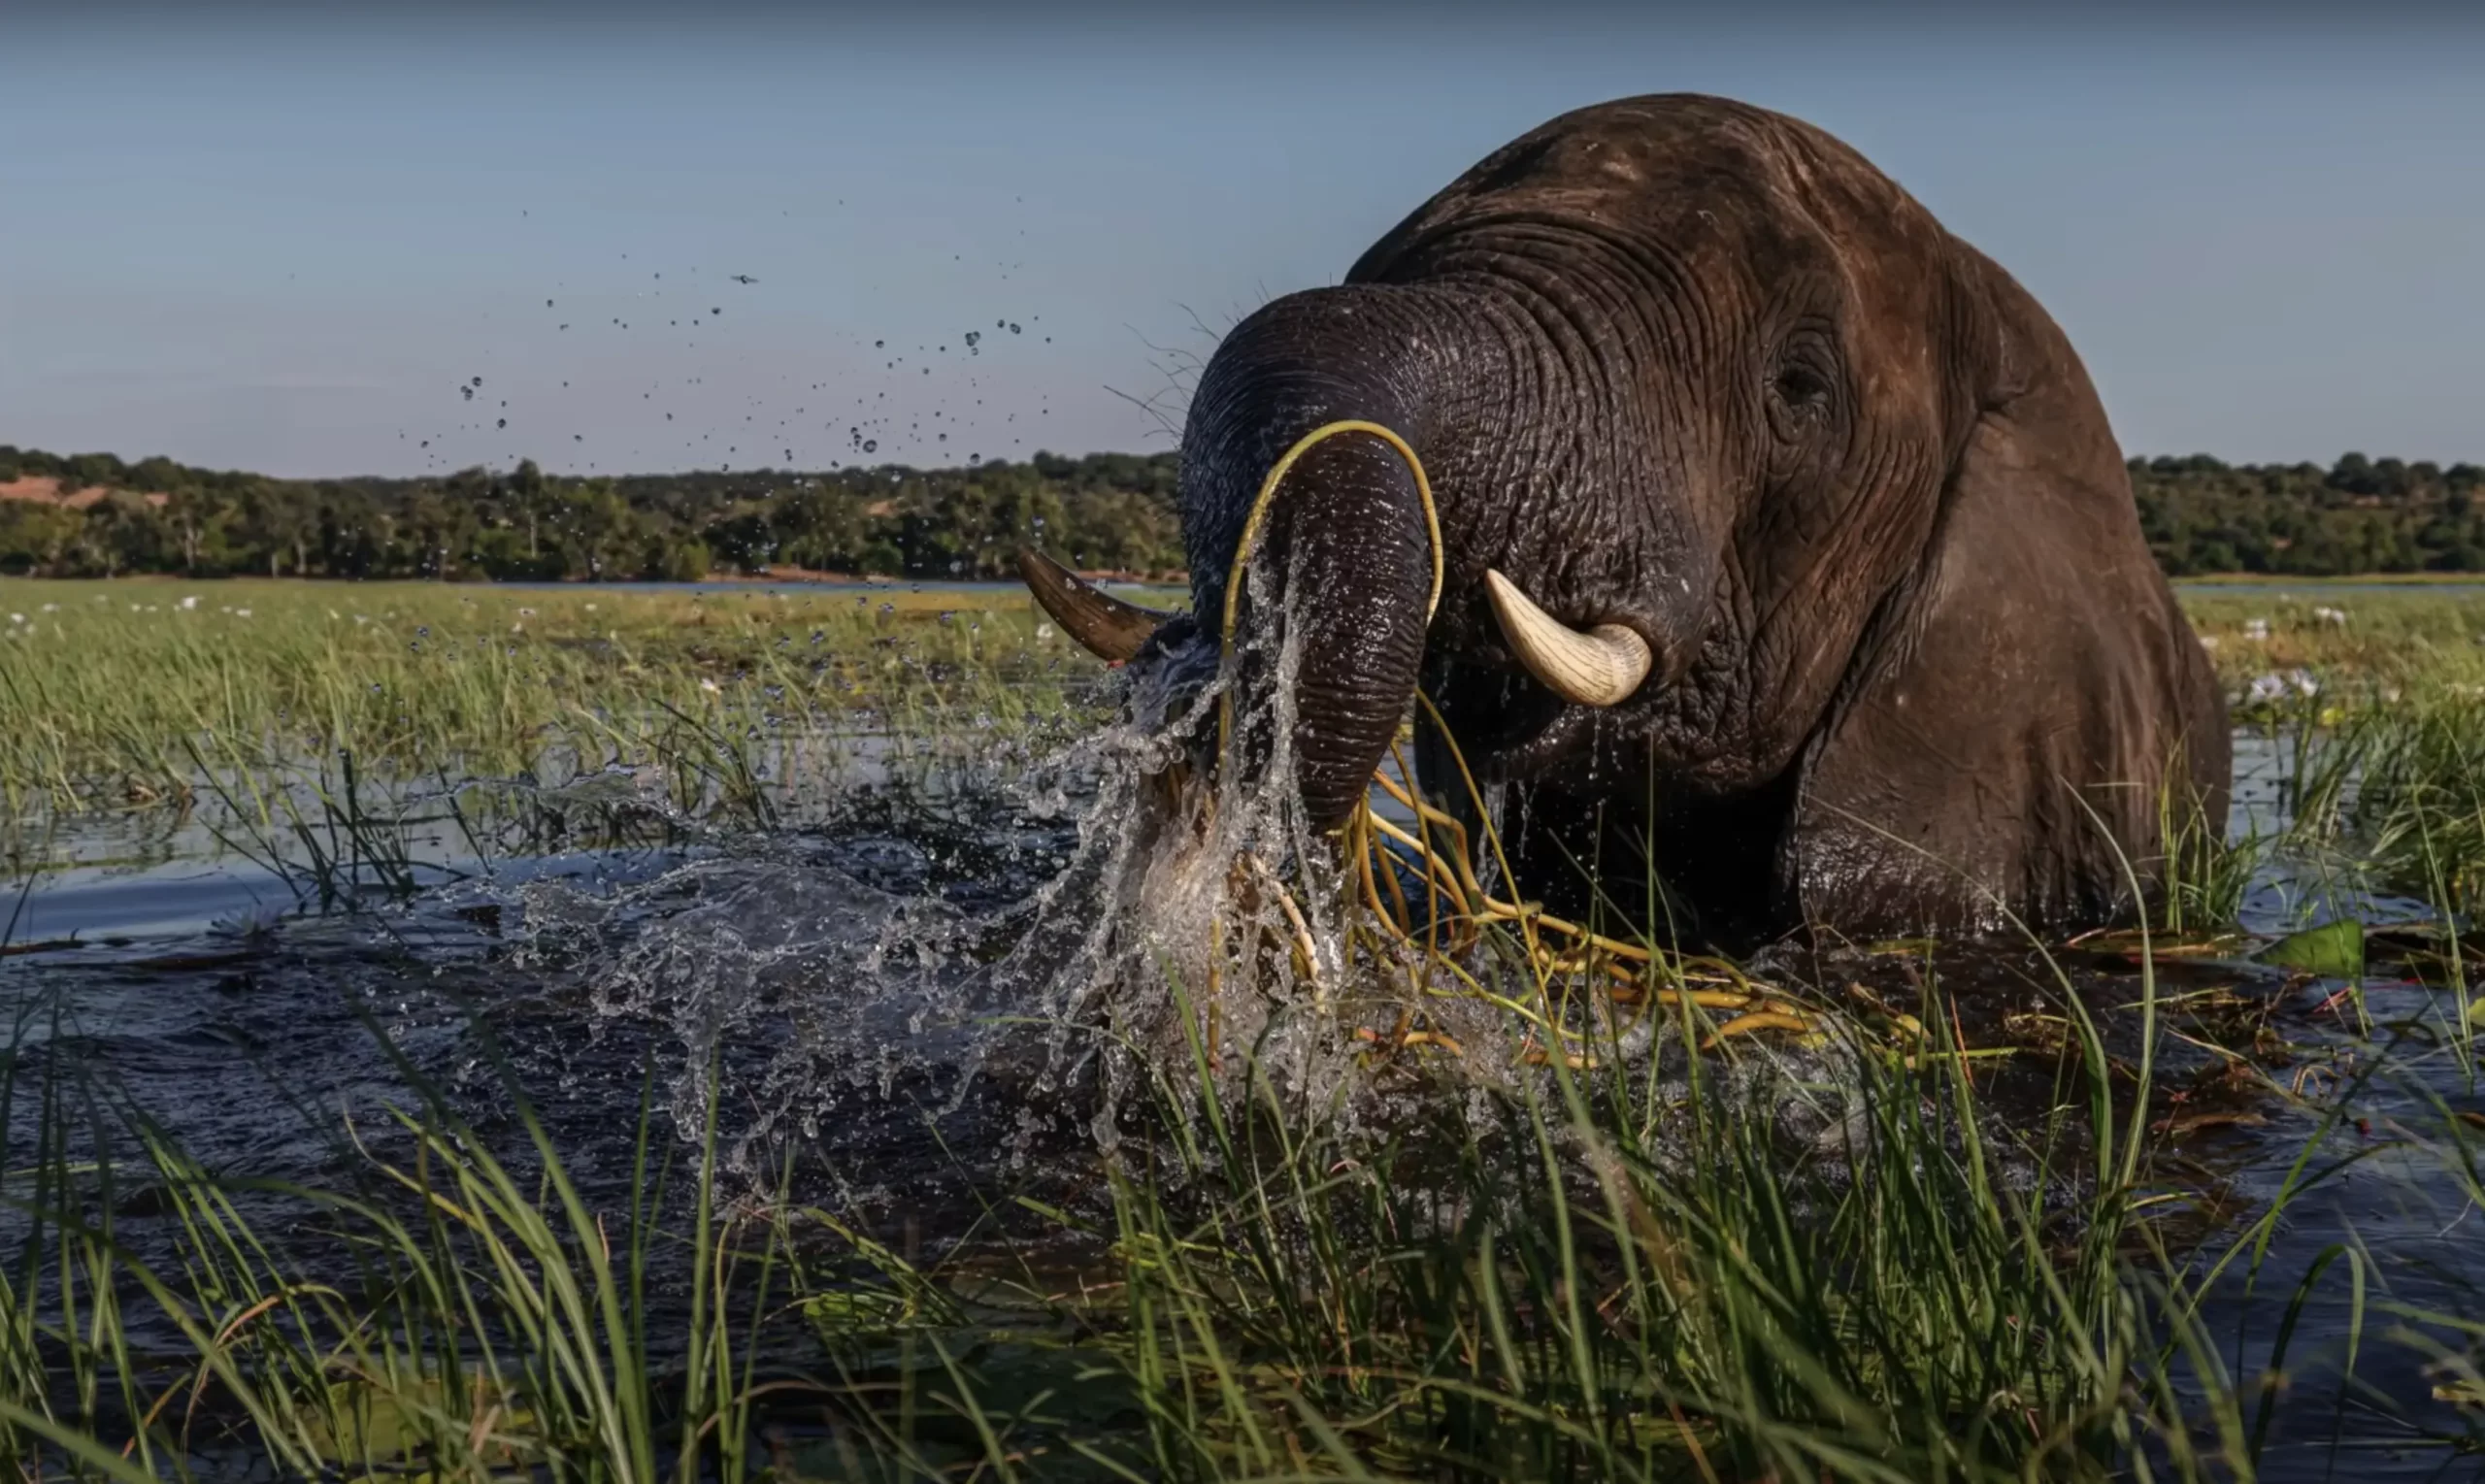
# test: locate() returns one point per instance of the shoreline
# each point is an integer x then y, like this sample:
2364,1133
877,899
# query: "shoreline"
775,577
789,574
2343,579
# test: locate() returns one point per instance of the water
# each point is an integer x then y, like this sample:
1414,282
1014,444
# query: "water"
845,970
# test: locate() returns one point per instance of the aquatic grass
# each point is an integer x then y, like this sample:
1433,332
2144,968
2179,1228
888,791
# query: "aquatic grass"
1601,1287
101,689
2205,872
332,833
484,1320
2390,798
106,678
1610,1274
2451,1342
114,691
328,749
2394,801
2419,798
2373,641
1605,1279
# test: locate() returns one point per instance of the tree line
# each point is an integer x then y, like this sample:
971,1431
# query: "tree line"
92,514
2359,515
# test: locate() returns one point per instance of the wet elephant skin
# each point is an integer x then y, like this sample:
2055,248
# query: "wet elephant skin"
1699,370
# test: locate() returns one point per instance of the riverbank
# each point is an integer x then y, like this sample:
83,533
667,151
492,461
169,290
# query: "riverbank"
2356,580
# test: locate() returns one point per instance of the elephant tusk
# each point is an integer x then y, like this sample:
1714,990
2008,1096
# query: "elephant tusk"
1110,629
1601,667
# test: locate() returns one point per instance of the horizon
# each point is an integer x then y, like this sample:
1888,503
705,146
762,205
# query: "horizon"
1026,458
290,249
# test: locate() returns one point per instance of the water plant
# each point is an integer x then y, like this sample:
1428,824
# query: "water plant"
109,686
1606,1281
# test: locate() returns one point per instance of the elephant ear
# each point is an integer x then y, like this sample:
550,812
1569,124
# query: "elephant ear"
1993,349
2032,678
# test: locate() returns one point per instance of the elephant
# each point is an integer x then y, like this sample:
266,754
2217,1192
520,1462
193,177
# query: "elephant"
1790,573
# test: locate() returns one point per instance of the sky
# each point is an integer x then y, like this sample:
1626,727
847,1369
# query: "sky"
380,239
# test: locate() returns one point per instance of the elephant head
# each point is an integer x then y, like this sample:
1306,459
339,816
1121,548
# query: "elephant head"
1698,391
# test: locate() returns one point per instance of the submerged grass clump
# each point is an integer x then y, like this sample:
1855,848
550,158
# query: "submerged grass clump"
2406,783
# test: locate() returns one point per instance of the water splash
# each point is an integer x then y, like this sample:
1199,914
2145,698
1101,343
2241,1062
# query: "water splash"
1166,928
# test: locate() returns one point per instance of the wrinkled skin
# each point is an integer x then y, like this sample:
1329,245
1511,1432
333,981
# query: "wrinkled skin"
1699,368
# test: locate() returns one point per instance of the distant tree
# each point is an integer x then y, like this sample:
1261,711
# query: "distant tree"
35,538
676,559
2354,473
1109,510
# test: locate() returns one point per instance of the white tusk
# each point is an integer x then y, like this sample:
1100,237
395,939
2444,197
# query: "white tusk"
1601,667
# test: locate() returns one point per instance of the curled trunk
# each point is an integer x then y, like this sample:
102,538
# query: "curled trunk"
1343,564
1350,570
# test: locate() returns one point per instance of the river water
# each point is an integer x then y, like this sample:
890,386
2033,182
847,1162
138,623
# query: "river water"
832,964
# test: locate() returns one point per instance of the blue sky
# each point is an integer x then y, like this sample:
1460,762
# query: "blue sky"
287,246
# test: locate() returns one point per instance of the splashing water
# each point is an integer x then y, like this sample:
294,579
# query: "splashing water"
1197,938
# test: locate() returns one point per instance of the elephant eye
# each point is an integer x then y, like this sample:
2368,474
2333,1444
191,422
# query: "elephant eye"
1797,384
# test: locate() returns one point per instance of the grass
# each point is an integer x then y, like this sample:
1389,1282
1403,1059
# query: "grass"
112,692
2406,783
2367,579
110,685
117,695
1599,1280
2413,638
1597,1301
1871,1262
2379,701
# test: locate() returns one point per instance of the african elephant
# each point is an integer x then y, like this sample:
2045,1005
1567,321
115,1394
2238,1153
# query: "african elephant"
1783,536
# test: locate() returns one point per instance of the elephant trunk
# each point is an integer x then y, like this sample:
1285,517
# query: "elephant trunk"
1350,568
1343,564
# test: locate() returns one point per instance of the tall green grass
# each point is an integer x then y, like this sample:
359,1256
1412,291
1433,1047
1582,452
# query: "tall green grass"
2408,784
2366,643
110,692
1605,1276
